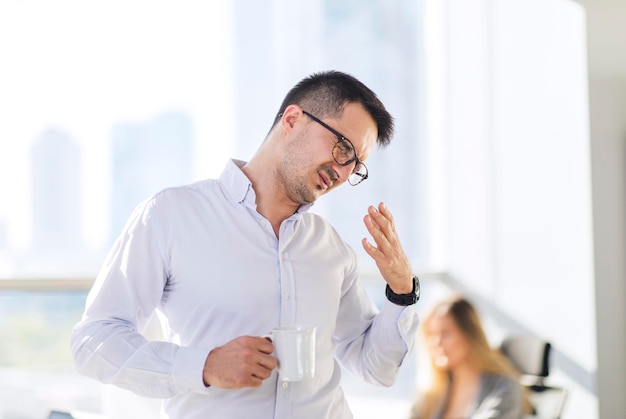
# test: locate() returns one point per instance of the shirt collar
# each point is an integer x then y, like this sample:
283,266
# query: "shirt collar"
237,185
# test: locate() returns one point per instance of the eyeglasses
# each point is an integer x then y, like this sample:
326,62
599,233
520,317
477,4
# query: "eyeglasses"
344,154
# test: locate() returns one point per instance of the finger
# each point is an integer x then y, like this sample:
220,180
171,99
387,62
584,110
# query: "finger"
382,209
242,362
367,246
252,374
263,348
376,231
386,253
254,381
262,371
379,257
382,220
265,345
386,223
268,361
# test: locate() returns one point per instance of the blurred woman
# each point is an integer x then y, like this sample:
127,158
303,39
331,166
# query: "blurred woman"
469,379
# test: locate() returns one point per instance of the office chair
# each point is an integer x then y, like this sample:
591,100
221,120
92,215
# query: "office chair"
531,356
55,414
58,414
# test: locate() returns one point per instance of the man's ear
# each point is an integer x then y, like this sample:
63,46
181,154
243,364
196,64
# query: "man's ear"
290,116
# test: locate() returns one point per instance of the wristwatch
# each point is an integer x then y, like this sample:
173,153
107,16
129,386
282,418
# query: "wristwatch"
405,299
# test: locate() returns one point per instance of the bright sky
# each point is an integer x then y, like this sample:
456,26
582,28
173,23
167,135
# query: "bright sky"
80,66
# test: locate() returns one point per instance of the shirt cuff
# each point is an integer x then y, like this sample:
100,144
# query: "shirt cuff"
405,317
188,368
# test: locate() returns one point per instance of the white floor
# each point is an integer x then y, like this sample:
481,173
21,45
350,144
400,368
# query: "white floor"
375,408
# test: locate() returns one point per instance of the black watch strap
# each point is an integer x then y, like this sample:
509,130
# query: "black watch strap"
405,299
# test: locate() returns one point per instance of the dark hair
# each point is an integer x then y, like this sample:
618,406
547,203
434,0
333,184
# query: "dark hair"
325,94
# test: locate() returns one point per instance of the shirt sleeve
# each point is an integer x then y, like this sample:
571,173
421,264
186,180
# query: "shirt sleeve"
371,343
107,343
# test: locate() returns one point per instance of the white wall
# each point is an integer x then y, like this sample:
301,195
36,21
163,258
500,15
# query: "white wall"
519,226
607,90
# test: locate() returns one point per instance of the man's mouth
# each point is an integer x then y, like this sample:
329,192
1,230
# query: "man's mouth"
326,182
328,178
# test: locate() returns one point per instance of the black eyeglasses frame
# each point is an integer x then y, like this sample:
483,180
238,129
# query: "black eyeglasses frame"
356,177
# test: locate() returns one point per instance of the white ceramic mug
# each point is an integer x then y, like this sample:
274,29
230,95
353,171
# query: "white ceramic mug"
294,346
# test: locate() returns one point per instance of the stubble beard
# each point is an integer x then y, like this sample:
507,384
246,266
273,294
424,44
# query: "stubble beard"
295,183
295,186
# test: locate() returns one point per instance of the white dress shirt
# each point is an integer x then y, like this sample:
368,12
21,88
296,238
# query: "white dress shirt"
212,267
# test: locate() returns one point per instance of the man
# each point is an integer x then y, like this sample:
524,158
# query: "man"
224,261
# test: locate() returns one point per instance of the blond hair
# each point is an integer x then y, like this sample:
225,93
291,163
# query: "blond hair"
487,359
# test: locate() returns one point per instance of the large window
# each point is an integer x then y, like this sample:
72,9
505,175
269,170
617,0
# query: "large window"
102,105
109,105
378,42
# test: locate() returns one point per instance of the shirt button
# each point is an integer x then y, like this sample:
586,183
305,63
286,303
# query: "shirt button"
286,295
285,384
